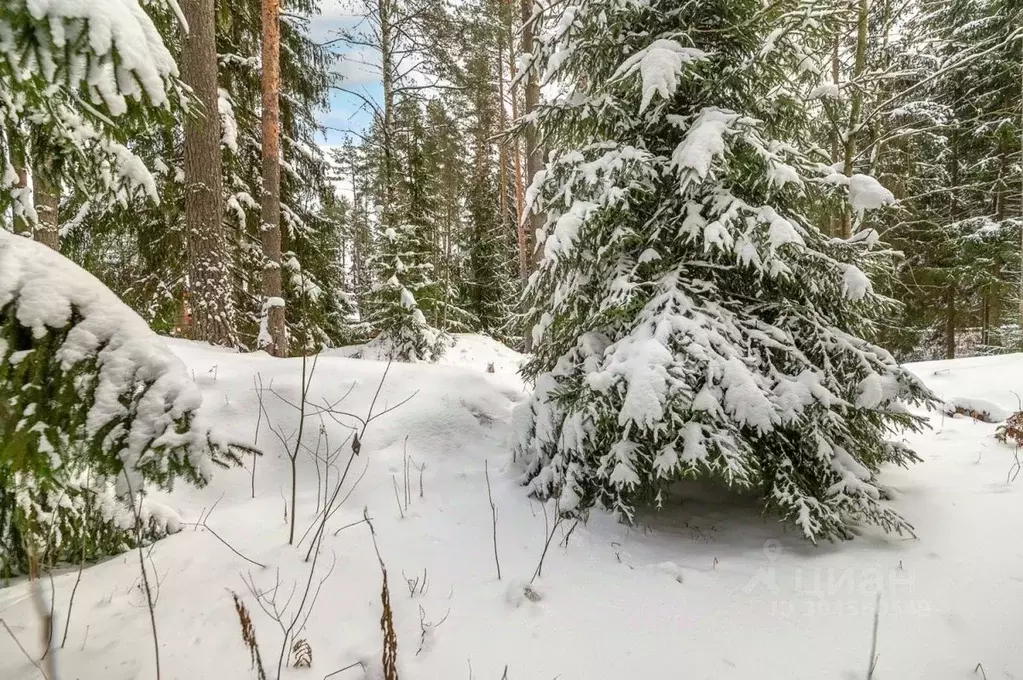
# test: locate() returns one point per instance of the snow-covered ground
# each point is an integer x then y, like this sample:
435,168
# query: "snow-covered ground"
704,589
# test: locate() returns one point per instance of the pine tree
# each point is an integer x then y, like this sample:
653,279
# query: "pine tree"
690,321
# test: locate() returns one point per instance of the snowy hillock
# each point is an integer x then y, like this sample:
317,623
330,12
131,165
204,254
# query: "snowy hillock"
705,587
459,349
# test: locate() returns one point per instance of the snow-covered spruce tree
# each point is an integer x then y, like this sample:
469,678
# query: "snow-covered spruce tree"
67,70
93,408
689,321
404,292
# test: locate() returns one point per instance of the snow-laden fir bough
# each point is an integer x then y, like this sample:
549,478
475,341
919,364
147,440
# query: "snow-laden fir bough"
93,408
689,321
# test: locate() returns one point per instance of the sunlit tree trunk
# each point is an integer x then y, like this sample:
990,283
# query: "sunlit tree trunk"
275,338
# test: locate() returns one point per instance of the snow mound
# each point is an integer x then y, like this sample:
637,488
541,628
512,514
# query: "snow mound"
615,601
979,409
464,350
866,194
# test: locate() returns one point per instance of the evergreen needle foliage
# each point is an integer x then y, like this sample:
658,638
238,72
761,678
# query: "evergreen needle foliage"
689,320
93,408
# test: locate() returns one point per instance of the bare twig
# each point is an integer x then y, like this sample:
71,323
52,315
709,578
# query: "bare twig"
401,512
259,421
417,585
1015,469
426,628
549,531
405,461
332,506
23,650
342,670
147,590
568,534
71,602
348,526
493,516
230,547
873,639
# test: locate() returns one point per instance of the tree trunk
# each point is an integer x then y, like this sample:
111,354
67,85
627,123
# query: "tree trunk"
387,78
1020,289
520,226
534,162
275,339
950,322
502,145
46,195
856,107
209,280
835,220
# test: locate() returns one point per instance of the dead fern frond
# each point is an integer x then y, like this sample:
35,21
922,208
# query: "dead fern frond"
249,636
1011,431
390,653
387,626
302,653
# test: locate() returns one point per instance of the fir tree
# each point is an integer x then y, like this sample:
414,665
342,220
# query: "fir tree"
405,293
92,406
689,320
138,250
490,281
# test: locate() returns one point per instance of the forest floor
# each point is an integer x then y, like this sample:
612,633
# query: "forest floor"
705,588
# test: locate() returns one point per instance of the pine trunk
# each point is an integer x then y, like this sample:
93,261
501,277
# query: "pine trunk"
47,200
387,78
210,293
276,341
534,162
950,321
835,220
502,145
855,109
520,226
1020,290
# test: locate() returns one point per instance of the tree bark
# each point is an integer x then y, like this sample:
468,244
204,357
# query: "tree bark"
46,195
855,109
534,161
950,322
502,145
387,78
520,226
835,221
275,339
209,282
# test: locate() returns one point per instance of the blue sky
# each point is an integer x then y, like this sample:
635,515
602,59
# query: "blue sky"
347,112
